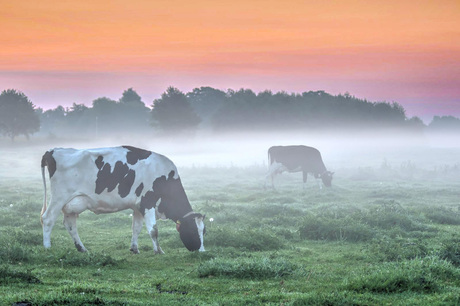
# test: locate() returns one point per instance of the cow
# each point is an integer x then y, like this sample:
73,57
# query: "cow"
296,159
106,180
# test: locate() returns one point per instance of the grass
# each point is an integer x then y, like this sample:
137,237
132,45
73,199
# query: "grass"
375,238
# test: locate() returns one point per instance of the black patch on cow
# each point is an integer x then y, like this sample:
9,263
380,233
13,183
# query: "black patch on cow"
99,162
121,176
136,154
139,189
149,200
174,203
49,161
127,182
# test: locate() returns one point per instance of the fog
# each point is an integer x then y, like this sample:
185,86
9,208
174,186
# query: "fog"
341,151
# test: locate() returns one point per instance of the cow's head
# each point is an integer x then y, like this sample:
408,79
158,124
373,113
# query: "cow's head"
327,178
191,229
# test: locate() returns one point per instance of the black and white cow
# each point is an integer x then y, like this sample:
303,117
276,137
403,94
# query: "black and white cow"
108,180
296,159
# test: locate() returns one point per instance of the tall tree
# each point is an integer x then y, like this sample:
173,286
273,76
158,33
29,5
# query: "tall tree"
206,101
17,114
130,96
173,113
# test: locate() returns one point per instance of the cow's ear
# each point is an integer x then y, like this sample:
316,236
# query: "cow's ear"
197,215
178,226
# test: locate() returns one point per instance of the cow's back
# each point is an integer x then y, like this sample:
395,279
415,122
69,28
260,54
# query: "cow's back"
297,156
107,173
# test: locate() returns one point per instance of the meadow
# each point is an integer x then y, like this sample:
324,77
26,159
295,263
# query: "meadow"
386,233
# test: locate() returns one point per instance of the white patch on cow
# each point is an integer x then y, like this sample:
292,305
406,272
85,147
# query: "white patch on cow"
151,224
274,169
200,225
159,215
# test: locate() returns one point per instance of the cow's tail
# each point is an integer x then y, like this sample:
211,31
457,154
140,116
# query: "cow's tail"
44,164
270,161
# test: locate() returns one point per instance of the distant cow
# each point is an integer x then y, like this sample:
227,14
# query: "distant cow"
296,159
108,180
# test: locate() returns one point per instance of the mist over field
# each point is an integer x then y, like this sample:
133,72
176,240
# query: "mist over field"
343,152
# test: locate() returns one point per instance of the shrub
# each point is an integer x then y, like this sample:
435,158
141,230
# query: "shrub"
245,239
450,251
443,215
418,275
13,252
319,228
254,268
8,276
77,259
390,214
24,237
386,249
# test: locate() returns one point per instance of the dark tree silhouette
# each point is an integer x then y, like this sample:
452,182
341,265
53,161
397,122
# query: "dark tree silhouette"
130,96
440,123
17,114
206,101
53,120
173,113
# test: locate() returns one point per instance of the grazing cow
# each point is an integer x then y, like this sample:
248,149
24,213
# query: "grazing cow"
296,159
108,180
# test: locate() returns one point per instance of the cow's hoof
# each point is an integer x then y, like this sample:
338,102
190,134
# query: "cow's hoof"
80,248
159,252
134,250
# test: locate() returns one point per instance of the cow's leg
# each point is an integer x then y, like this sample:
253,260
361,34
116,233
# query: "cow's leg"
71,211
268,177
138,221
151,224
70,223
274,169
49,219
320,184
304,178
318,181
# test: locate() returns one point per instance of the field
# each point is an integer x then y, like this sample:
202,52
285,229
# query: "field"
386,233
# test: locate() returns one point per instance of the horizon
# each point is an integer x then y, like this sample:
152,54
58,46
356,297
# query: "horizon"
76,52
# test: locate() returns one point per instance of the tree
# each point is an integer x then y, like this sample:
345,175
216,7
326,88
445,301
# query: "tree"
445,123
206,101
17,114
130,96
52,120
173,113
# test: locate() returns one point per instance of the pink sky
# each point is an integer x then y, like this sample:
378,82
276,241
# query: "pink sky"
65,52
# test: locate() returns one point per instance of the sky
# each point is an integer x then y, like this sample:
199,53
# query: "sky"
65,52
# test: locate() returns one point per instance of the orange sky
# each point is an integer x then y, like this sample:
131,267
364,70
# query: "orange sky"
60,52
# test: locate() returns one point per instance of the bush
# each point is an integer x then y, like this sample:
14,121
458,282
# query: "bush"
443,215
255,268
8,276
77,259
450,251
418,275
386,249
244,239
319,228
24,237
14,252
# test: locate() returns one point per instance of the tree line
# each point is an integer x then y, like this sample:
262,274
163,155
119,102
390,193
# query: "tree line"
208,109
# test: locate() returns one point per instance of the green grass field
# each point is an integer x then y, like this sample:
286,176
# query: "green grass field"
387,233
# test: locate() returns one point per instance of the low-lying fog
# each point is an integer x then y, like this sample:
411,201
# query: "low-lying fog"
339,150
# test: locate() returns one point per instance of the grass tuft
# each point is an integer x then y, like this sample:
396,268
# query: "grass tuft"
250,268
